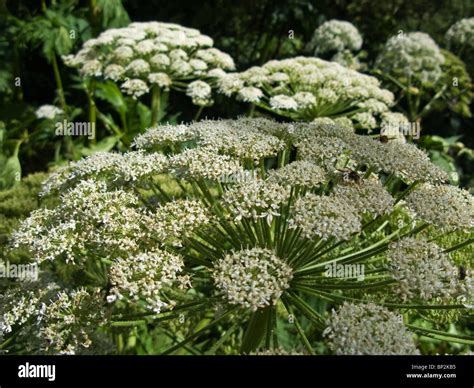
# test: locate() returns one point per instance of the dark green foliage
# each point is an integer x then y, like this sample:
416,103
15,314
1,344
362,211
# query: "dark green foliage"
15,205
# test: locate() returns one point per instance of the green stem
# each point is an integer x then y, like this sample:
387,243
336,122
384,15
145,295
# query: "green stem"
460,245
92,109
155,105
299,329
59,84
198,333
62,101
198,113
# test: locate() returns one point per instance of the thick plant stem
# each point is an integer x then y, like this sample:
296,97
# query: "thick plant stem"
59,84
155,105
92,109
62,101
198,113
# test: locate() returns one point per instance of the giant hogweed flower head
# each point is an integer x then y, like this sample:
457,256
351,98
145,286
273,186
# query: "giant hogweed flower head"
204,163
64,321
367,196
304,88
461,34
335,36
179,219
245,142
299,173
48,112
143,55
163,136
259,243
358,329
412,57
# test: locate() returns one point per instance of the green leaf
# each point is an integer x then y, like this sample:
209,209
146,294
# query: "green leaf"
104,145
11,173
144,115
110,92
62,43
256,330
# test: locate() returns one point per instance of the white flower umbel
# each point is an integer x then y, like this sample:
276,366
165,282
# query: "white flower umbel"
143,55
335,36
362,329
204,163
305,88
243,139
252,278
89,218
112,167
325,217
69,322
447,207
256,198
412,57
164,135
146,276
422,270
174,221
460,35
403,160
48,112
366,195
200,92
299,174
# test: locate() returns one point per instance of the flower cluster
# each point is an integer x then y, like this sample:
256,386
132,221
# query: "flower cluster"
61,321
250,250
256,199
112,168
88,219
422,270
300,173
414,58
367,196
153,54
461,34
325,217
304,88
179,219
335,36
252,278
368,329
146,277
48,112
447,207
69,322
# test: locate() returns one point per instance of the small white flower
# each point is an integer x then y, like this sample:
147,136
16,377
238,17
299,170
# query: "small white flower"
283,102
48,112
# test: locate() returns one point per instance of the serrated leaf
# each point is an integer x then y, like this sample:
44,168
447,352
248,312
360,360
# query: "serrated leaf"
104,145
110,92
